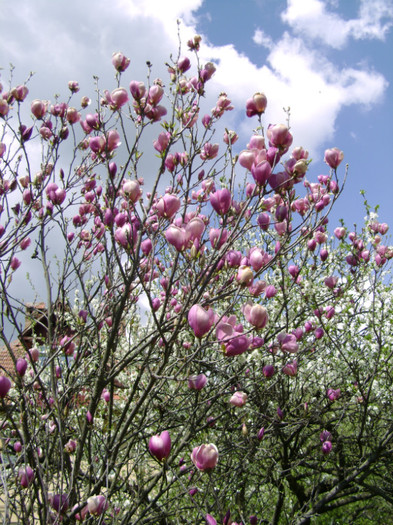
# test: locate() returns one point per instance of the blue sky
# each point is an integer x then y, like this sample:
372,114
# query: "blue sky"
331,61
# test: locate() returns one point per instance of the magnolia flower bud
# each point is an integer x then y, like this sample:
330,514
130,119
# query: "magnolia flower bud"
25,476
5,385
200,320
21,366
160,445
333,157
120,62
197,382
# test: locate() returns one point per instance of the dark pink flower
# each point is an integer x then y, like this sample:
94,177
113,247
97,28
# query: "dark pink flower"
26,476
5,385
221,201
197,382
160,445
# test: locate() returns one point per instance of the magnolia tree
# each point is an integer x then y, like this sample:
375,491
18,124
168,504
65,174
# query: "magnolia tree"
209,353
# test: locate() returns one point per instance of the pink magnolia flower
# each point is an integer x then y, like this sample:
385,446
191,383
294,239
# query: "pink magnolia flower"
290,369
319,333
268,371
197,382
55,194
156,92
73,86
209,151
238,399
263,221
200,320
160,445
256,105
117,98
124,235
339,233
137,89
288,343
183,64
205,457
333,157
120,62
19,93
325,435
67,345
97,144
231,336
247,159
208,71
218,237
326,447
245,275
15,263
258,258
112,140
333,394
59,502
5,385
97,505
230,137
270,291
178,237
279,136
4,107
162,141
195,228
26,476
293,270
257,288
21,366
39,108
257,142
167,206
73,115
255,314
261,172
132,190
221,201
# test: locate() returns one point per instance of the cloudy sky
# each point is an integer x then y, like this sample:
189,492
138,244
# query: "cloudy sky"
330,61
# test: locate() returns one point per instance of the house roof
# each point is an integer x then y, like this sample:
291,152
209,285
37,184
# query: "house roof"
36,325
6,362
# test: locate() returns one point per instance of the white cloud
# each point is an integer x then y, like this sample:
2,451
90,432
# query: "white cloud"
375,19
170,12
262,39
295,74
312,19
